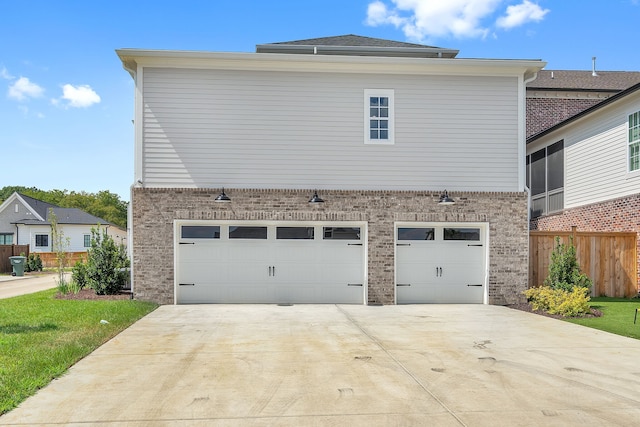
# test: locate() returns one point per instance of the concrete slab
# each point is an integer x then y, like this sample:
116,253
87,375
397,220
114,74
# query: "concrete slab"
11,286
265,365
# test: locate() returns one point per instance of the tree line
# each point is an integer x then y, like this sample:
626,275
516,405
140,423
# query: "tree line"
103,204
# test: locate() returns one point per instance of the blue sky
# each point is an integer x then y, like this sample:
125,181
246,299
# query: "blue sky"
66,103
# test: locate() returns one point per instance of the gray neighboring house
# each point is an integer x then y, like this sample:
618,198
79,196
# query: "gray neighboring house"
25,221
334,170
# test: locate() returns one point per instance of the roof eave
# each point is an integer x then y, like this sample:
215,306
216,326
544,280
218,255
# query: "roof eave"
411,52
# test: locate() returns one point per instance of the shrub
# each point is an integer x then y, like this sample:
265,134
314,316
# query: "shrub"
564,270
79,274
104,264
34,262
559,301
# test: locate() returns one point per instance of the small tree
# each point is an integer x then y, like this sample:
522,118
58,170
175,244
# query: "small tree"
105,265
59,245
564,270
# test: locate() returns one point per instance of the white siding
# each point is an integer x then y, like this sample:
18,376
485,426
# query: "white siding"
248,129
596,155
75,234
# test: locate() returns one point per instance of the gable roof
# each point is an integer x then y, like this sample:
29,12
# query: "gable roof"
63,215
581,80
586,112
351,44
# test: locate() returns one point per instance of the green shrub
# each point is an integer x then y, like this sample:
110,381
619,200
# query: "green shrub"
559,301
79,274
564,270
34,262
105,263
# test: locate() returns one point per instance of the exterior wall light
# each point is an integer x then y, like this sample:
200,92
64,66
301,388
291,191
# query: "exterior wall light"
222,198
445,199
316,198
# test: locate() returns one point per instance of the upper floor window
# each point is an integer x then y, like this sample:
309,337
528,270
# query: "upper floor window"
545,178
378,116
634,141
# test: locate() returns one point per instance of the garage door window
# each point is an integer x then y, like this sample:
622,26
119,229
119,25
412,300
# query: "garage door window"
248,232
416,233
462,234
341,233
200,232
294,233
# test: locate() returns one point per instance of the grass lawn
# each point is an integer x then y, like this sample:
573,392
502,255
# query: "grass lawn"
41,337
617,318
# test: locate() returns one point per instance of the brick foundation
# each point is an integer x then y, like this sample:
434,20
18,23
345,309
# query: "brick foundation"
622,214
154,211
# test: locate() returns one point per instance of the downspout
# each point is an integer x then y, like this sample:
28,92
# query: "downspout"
137,121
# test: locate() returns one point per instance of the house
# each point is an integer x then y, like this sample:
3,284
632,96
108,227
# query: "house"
334,170
584,171
26,221
556,95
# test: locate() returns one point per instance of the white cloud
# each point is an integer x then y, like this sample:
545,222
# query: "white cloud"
23,88
81,96
4,73
421,20
521,14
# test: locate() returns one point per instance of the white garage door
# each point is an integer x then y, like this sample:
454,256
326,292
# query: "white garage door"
440,263
248,262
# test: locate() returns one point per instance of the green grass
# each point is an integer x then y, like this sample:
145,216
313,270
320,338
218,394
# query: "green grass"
41,337
617,318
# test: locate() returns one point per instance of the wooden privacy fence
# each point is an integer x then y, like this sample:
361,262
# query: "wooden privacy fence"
50,259
609,259
10,250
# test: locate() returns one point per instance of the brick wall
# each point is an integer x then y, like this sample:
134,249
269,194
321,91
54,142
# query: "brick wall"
154,211
622,214
542,113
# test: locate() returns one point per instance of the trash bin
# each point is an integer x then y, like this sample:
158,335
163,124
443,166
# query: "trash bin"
18,262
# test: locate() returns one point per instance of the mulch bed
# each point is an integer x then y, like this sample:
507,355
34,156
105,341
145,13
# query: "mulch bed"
527,307
90,294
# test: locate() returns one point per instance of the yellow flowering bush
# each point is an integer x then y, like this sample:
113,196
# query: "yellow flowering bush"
559,301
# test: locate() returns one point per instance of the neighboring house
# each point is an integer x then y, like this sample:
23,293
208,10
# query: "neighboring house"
556,95
585,171
377,129
26,221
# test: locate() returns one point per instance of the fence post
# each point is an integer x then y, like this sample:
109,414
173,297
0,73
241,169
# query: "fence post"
574,230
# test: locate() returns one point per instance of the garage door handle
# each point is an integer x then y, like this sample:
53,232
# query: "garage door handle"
187,243
403,284
354,284
354,244
475,285
474,245
187,284
403,244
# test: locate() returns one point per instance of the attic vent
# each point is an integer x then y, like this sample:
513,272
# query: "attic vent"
16,208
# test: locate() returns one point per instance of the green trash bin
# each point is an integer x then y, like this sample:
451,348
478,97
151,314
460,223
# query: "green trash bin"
18,262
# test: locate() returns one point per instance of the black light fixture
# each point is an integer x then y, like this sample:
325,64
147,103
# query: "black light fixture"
223,197
445,199
315,198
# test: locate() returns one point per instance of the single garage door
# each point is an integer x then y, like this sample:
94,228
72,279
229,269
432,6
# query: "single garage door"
249,262
438,263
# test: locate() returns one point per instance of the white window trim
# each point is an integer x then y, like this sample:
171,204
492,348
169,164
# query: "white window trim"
628,150
388,93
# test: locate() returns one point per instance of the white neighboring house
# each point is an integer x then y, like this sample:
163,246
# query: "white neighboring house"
585,170
234,150
25,220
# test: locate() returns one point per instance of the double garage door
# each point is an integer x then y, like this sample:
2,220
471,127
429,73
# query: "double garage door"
247,262
282,262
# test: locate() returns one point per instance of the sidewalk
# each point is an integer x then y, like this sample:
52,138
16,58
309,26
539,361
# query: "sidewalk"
11,286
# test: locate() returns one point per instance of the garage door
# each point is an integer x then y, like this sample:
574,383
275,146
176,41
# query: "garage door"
248,262
438,263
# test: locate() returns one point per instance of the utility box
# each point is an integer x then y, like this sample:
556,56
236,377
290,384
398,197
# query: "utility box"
18,262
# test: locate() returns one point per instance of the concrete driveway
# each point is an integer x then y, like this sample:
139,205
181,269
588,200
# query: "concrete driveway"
319,365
